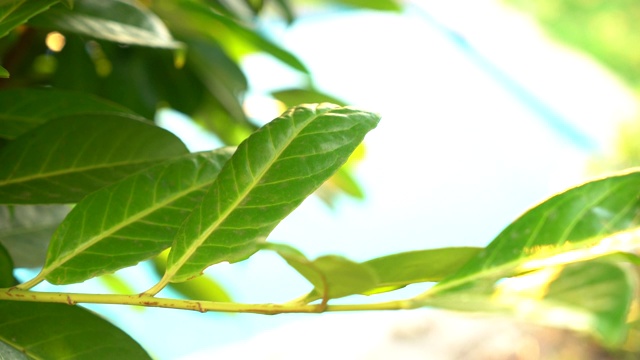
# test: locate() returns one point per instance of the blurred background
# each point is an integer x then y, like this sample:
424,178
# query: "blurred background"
488,107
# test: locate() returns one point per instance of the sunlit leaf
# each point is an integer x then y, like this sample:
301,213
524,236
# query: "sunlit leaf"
60,331
270,174
131,220
385,5
24,109
119,21
16,12
295,96
576,219
332,276
25,231
64,159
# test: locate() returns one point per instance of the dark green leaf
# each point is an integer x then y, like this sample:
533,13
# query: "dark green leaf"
60,331
16,12
25,231
119,21
402,269
86,153
24,109
4,73
332,276
292,97
131,220
270,174
576,219
6,269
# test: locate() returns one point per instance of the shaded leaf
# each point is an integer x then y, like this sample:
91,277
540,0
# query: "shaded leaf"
16,12
25,231
576,219
270,174
24,109
119,21
332,276
131,220
6,269
88,152
63,332
402,269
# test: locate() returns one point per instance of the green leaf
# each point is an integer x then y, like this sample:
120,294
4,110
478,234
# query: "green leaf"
16,12
270,174
60,331
6,269
25,231
383,5
576,219
87,153
292,97
4,73
402,269
131,220
332,276
24,109
123,22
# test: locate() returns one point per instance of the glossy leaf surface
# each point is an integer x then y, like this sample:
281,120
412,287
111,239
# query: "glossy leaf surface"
16,12
119,21
24,109
25,230
269,175
86,153
60,331
131,220
573,220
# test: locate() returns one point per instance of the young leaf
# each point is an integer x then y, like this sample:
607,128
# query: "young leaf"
15,12
131,220
60,331
24,109
25,231
86,153
270,174
576,219
119,21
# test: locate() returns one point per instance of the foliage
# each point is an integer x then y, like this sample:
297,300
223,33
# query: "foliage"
73,134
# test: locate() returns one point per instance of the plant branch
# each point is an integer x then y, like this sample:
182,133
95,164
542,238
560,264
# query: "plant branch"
16,294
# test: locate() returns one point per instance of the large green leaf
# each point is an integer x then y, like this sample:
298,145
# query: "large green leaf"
131,220
64,159
60,331
576,219
25,231
24,109
119,21
16,12
270,174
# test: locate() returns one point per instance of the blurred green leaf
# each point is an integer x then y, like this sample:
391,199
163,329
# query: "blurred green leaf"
25,231
6,269
60,331
119,21
131,220
292,97
4,73
269,175
89,152
16,12
24,109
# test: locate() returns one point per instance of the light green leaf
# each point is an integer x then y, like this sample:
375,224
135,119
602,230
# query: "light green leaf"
402,269
16,12
383,5
6,269
4,73
576,219
25,231
131,220
294,96
67,158
24,109
119,21
60,331
270,174
332,276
